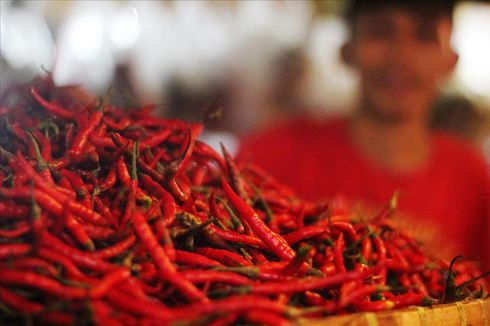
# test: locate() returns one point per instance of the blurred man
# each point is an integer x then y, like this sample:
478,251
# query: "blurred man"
401,50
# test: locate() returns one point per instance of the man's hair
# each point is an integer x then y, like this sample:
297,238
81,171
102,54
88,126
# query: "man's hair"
422,8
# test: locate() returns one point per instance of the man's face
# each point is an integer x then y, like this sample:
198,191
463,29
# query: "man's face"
401,59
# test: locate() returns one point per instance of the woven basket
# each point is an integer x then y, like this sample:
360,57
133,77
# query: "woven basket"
470,313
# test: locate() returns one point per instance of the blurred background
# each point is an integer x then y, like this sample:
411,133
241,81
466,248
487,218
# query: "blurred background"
253,61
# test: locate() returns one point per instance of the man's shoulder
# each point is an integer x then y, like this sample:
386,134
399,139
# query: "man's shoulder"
460,152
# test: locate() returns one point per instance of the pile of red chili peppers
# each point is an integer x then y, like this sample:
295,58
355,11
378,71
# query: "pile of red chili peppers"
113,216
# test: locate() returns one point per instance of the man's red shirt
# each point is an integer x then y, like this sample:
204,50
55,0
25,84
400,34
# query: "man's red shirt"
446,203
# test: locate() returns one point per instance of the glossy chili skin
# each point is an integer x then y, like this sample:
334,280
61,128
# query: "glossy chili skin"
120,217
274,241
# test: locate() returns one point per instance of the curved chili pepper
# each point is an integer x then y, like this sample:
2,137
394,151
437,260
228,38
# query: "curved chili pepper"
18,302
167,202
224,256
122,124
235,175
410,299
52,106
193,259
104,314
11,250
304,233
232,304
166,269
381,252
311,284
10,276
202,276
61,259
32,263
115,249
109,181
155,139
298,262
359,292
73,205
164,234
237,237
83,134
78,257
12,210
110,279
274,241
262,317
20,229
338,252
146,308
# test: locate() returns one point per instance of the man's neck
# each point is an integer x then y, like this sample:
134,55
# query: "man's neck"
398,147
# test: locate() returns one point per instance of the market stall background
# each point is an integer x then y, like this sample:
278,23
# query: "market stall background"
260,60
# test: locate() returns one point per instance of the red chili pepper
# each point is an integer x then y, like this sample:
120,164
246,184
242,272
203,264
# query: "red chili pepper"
146,308
261,317
311,284
380,305
104,211
419,285
409,299
45,145
298,262
381,252
74,206
83,134
56,317
366,249
10,276
61,259
232,304
12,210
328,269
52,106
193,259
18,302
338,252
115,249
224,256
237,237
122,124
32,263
304,233
155,139
274,241
11,250
20,229
104,314
359,292
109,181
167,202
206,151
159,155
235,175
110,279
122,172
216,211
102,141
202,276
78,231
78,257
166,269
164,234
314,298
